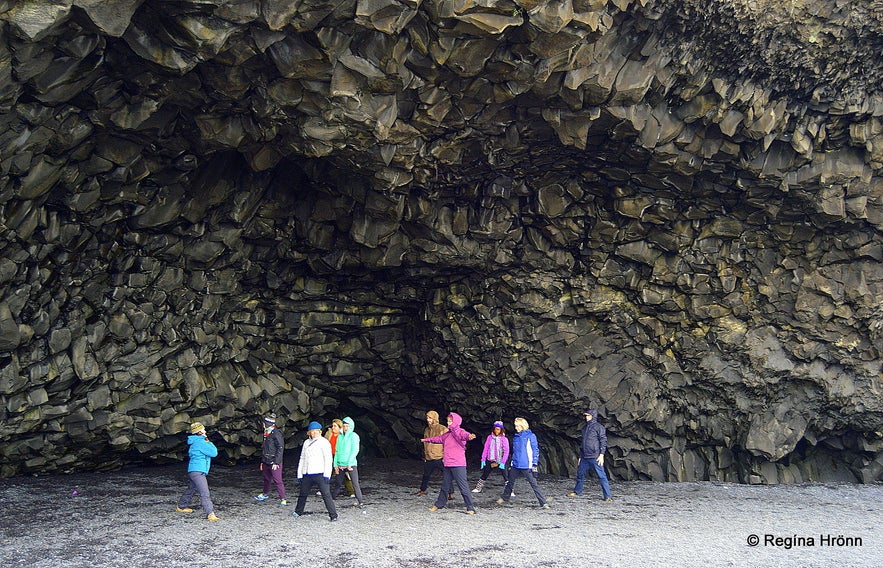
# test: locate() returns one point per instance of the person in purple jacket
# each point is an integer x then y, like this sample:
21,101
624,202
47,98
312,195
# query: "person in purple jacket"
454,459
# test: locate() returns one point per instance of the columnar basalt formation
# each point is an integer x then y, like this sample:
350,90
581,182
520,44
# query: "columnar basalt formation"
670,210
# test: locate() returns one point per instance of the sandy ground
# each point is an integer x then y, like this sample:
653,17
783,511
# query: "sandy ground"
128,518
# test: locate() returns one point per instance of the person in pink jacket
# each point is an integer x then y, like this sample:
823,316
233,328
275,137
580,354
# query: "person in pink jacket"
454,459
494,456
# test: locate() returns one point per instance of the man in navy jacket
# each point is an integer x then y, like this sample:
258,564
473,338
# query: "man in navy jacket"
591,455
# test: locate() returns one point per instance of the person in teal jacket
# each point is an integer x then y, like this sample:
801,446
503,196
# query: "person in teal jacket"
201,453
345,457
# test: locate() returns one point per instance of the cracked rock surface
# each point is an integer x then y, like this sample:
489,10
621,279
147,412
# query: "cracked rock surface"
668,210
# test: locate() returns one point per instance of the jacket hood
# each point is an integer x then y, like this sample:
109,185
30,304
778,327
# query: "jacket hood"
432,414
455,420
594,414
352,424
193,438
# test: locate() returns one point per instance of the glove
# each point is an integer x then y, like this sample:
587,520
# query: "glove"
502,465
482,465
601,460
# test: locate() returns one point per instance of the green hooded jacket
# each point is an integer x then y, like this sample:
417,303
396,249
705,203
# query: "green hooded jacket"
347,446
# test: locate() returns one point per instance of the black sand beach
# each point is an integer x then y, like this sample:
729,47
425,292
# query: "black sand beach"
128,518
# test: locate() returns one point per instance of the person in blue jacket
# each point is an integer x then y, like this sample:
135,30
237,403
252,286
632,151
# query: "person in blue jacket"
591,455
525,458
201,453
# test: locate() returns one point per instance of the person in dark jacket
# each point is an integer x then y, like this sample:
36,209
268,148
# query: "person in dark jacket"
591,455
271,460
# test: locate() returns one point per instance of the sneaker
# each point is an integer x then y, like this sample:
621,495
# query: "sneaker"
184,510
211,517
433,508
572,494
546,506
361,505
333,519
501,501
295,514
419,493
513,495
476,490
261,497
283,503
353,496
470,512
609,499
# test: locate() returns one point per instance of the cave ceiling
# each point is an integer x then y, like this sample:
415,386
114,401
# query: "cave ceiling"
667,210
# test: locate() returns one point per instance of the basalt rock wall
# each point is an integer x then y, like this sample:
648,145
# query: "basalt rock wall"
671,211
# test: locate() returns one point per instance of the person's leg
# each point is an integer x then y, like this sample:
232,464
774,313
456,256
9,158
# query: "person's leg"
306,485
581,471
354,477
326,496
602,479
531,478
267,475
201,483
446,488
336,484
277,480
459,475
428,468
510,484
187,496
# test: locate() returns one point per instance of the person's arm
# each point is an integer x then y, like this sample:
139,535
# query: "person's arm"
433,440
280,448
505,451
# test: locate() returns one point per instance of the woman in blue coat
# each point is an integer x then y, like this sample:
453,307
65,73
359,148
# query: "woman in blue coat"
201,453
525,457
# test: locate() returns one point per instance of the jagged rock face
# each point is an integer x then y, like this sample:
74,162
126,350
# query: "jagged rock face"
670,211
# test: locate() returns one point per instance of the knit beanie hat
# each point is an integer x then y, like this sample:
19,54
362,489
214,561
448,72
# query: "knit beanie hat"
314,426
196,428
270,419
498,424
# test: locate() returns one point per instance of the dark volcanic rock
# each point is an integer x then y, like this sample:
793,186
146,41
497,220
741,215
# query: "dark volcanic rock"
668,210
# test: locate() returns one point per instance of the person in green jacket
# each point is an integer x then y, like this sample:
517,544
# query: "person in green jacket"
345,457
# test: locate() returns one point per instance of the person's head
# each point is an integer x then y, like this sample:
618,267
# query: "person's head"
431,417
314,429
498,428
336,426
590,414
521,424
197,428
348,425
454,420
269,421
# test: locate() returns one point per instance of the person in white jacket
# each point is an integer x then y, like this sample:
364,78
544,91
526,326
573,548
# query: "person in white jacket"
314,469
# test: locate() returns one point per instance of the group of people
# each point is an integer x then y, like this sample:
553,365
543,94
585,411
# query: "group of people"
328,463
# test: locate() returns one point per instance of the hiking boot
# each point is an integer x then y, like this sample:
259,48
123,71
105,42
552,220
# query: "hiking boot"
211,517
184,510
450,496
283,503
419,493
470,512
501,501
609,499
478,486
333,519
572,494
261,497
433,508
